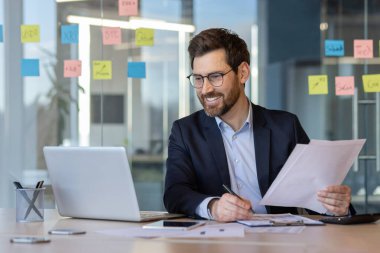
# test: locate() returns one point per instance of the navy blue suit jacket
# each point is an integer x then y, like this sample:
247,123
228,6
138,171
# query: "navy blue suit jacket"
197,163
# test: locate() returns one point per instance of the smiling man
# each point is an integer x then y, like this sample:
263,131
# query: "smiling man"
232,141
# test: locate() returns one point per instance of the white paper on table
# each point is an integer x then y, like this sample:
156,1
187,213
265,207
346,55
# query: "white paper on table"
200,232
310,168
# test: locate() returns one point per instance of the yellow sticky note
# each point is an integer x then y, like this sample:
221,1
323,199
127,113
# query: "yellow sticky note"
318,85
371,83
144,37
102,70
30,33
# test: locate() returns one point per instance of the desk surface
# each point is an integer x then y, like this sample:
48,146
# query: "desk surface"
329,238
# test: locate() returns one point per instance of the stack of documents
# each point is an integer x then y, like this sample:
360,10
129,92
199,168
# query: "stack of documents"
287,219
311,168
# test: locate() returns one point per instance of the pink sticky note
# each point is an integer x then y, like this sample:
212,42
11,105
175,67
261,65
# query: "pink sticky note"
128,7
363,49
72,68
344,85
111,35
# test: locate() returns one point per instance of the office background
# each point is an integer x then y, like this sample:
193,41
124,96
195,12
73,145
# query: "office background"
286,41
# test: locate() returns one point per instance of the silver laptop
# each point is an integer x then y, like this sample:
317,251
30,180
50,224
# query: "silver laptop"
95,183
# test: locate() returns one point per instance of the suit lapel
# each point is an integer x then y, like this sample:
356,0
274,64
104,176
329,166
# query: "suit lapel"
216,146
262,148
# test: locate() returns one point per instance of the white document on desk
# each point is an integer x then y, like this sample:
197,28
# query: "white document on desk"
310,168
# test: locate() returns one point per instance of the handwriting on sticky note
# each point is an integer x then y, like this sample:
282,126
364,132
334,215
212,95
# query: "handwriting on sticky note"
69,34
30,33
128,7
318,84
334,47
30,67
363,49
111,35
344,85
102,70
144,37
371,83
72,68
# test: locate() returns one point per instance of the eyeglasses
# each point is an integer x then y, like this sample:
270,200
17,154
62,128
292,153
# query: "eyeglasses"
216,79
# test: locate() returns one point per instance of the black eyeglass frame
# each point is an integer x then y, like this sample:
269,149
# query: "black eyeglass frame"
207,76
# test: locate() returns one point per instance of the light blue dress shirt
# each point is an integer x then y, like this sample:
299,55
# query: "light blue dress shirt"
241,158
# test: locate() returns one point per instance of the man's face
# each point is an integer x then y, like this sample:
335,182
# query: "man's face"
216,101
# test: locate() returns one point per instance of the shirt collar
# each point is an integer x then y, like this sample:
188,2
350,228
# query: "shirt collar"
221,124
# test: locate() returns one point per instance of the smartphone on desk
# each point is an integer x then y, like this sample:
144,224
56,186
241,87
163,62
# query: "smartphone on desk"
66,231
352,219
29,239
174,225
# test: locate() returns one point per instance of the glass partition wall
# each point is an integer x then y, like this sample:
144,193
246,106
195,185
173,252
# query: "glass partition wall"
287,43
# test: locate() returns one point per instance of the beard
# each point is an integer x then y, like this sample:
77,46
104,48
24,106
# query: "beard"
228,101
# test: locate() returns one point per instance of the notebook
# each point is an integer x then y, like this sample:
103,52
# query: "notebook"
95,183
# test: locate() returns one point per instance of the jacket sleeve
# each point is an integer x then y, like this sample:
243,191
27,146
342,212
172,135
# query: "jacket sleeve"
181,195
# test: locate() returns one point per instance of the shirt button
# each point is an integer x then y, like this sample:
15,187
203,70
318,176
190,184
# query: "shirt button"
234,137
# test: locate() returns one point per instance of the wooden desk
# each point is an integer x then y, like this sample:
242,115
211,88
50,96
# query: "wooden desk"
329,238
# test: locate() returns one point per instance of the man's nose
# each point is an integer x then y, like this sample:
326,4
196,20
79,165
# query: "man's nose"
207,86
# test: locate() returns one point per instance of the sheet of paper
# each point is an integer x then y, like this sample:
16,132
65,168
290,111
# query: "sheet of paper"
286,219
311,168
203,231
276,230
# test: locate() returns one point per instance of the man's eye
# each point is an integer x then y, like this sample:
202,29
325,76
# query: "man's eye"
214,76
197,78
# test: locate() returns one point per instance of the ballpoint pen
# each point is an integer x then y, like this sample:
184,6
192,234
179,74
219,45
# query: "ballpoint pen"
233,193
35,195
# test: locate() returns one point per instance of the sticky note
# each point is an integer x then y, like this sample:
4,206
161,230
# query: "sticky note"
318,85
334,48
1,34
111,35
128,7
136,70
144,37
30,33
363,49
371,83
69,34
344,85
30,67
102,70
72,68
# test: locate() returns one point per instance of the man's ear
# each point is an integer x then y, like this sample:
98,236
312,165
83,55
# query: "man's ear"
244,72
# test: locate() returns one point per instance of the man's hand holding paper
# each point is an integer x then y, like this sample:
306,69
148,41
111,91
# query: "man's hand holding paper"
336,199
312,175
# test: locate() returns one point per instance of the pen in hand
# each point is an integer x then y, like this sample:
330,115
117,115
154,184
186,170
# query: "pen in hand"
233,193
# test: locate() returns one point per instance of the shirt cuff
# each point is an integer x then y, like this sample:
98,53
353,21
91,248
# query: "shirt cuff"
201,209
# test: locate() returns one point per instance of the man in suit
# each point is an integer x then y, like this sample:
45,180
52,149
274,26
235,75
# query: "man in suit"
231,141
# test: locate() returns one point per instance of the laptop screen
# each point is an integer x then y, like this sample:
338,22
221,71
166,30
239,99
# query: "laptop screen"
92,182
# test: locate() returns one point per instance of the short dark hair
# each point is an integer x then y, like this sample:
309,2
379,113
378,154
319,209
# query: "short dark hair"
219,38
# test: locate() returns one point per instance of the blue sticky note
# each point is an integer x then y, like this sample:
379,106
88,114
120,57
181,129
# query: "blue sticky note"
30,67
136,69
1,33
69,34
334,48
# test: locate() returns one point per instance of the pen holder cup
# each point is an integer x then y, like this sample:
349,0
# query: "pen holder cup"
30,204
